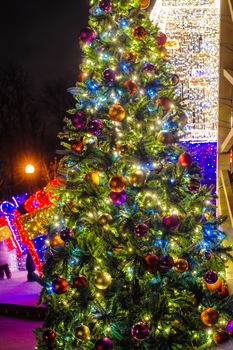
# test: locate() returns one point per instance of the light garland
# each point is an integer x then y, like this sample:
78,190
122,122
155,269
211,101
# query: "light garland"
192,28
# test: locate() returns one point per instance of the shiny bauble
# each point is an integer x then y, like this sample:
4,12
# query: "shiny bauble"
80,282
87,35
56,241
137,178
77,146
148,68
131,56
94,177
83,332
221,336
161,39
223,292
151,262
139,32
141,230
214,286
102,280
229,327
66,234
105,5
166,262
140,331
117,183
117,113
181,265
209,317
165,103
109,76
104,344
185,160
144,4
210,277
118,198
49,336
171,222
95,126
60,285
166,137
79,120
104,219
131,86
175,79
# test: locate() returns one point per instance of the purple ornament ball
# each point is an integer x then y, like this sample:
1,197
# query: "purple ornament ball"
104,344
210,277
79,121
106,5
95,126
109,75
141,230
166,262
148,68
229,327
118,198
87,35
171,222
140,331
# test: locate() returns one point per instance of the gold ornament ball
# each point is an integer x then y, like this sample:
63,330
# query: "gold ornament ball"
102,280
104,219
94,177
209,317
56,241
144,4
83,332
131,56
181,265
137,178
117,183
166,137
117,113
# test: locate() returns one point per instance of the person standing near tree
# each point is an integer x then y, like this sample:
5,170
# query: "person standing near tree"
4,261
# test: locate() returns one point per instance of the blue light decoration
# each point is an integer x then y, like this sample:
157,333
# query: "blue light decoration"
124,22
92,85
125,66
39,243
205,154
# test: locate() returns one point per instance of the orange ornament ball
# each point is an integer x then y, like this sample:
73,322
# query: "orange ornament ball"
144,4
117,183
60,285
117,113
166,137
131,56
77,146
214,286
181,265
209,317
56,241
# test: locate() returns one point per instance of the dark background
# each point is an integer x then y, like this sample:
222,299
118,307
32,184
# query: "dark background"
39,58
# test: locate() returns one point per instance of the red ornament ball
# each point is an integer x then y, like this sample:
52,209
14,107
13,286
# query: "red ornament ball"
161,38
141,230
80,282
185,160
49,336
77,146
139,32
221,336
104,344
140,331
151,261
87,35
171,222
60,285
223,291
131,86
175,79
165,103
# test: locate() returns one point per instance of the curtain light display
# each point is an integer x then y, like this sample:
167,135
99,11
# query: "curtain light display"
192,28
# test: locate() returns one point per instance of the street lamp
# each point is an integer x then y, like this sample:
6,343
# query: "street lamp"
29,169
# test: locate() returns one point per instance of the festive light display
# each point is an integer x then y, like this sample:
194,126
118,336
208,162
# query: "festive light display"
192,28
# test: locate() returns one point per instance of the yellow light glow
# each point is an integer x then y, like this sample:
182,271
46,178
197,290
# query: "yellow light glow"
29,169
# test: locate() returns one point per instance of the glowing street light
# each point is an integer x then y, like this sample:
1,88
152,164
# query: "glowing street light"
29,169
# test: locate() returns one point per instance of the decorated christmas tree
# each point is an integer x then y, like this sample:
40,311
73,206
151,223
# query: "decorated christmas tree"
135,255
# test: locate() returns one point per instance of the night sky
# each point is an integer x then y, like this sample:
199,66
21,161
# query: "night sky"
42,36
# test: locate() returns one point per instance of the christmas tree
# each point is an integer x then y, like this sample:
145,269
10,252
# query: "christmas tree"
136,258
